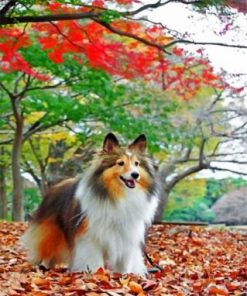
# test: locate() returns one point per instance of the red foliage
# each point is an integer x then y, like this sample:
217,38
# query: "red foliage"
122,57
98,3
11,40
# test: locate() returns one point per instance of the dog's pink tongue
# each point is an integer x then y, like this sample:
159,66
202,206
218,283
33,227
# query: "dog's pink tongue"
130,183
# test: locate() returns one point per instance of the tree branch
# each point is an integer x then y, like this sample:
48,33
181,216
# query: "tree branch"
38,127
47,18
96,16
160,4
11,95
40,88
36,153
130,35
185,173
28,168
7,7
6,142
226,170
185,41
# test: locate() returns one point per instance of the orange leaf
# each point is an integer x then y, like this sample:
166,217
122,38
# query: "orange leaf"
100,275
135,287
100,271
37,293
40,282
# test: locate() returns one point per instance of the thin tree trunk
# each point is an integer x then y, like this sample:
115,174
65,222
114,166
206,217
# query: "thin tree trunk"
17,208
163,198
165,189
3,195
167,186
43,184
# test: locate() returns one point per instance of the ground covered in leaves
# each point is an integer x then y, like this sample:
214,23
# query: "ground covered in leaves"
195,261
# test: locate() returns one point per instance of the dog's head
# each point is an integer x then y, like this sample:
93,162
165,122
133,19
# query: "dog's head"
121,169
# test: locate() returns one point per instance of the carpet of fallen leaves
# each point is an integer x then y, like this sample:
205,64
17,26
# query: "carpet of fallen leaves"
195,261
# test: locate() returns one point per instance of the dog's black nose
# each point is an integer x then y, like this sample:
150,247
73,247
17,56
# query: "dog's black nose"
135,175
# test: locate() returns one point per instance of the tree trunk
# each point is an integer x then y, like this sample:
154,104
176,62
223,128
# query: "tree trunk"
165,189
43,187
163,198
166,171
3,195
17,207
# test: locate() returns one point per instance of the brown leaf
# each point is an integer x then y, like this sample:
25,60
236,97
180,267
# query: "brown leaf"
149,285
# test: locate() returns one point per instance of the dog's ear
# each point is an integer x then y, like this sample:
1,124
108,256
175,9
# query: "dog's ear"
110,143
140,144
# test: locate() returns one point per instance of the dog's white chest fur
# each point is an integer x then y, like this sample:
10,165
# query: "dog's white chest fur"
116,230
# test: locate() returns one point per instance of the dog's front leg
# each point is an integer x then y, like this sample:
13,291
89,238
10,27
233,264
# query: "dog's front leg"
86,256
132,262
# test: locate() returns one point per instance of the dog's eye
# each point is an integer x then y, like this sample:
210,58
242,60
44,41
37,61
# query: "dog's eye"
137,163
121,163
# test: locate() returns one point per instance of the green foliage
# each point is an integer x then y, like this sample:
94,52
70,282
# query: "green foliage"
196,212
31,199
191,200
125,109
217,188
210,3
110,15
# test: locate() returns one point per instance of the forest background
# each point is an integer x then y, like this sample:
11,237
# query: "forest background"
71,71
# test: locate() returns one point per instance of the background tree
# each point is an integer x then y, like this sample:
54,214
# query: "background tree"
213,138
193,199
4,166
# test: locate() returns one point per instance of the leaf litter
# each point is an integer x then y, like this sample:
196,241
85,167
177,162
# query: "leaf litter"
195,261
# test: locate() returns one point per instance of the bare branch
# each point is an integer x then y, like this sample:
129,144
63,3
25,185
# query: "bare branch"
227,170
6,142
184,41
185,173
227,154
185,157
28,168
230,161
148,6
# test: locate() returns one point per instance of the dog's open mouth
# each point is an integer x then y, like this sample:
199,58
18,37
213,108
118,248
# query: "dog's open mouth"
128,182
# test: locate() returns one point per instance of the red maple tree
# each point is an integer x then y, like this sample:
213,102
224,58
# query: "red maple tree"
102,47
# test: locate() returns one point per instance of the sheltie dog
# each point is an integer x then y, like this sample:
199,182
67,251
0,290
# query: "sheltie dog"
100,218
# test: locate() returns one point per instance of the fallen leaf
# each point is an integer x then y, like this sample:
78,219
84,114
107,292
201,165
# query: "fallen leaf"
135,287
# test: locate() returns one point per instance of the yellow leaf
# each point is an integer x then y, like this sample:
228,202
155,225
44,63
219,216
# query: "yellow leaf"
34,117
52,160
